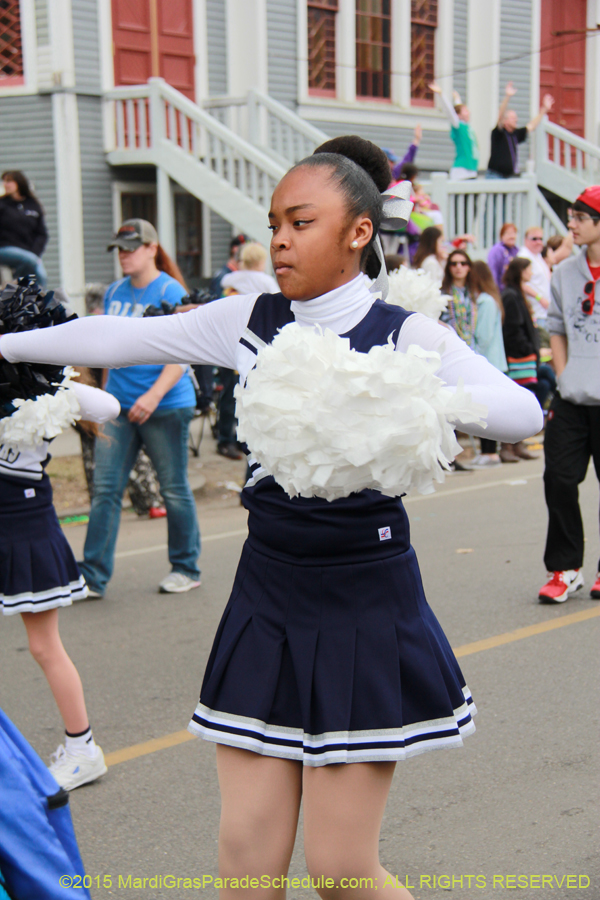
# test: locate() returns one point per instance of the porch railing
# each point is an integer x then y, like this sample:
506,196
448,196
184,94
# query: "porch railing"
481,206
143,119
267,124
564,162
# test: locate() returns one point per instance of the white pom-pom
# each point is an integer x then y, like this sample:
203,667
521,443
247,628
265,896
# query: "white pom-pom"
416,291
326,421
43,418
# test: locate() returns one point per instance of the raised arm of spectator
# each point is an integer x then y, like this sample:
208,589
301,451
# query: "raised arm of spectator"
410,153
547,104
448,108
509,91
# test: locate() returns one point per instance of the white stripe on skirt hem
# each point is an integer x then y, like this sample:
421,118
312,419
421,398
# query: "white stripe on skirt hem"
335,747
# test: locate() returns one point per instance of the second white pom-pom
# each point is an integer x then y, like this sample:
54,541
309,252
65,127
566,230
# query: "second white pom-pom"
327,421
416,291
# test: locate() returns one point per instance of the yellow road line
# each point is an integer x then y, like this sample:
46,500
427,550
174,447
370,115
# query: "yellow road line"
161,743
181,737
528,631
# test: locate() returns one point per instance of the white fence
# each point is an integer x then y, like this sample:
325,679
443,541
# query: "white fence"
481,206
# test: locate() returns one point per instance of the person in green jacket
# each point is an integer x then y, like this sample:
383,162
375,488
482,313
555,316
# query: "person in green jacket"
466,161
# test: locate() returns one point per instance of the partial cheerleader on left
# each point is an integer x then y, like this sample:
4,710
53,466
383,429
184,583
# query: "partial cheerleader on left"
38,572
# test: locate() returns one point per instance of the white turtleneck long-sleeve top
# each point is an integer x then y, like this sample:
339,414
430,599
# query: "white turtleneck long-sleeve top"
211,335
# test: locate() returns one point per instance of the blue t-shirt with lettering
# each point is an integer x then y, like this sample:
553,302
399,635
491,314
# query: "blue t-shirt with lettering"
130,382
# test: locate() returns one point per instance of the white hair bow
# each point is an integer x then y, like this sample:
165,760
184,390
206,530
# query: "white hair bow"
397,207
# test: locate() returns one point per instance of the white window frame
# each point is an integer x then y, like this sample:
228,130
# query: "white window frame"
344,107
29,42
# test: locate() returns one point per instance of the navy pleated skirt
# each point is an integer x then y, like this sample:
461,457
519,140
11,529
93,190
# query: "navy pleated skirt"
37,567
332,664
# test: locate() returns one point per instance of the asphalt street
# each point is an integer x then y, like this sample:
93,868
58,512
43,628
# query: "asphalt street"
517,800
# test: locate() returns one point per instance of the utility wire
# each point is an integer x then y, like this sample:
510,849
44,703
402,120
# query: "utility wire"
507,59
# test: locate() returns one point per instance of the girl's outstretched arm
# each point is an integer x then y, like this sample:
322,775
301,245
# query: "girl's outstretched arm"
513,411
209,335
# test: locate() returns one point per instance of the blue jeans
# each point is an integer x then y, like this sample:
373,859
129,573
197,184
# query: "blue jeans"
165,439
23,262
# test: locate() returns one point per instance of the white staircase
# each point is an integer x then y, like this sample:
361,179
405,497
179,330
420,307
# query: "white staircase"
231,152
267,124
230,157
155,124
564,163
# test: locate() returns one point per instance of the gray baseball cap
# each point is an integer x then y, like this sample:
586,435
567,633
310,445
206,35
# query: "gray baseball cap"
132,234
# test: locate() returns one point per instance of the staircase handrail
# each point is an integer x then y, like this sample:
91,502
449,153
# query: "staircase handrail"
163,91
290,118
575,162
568,137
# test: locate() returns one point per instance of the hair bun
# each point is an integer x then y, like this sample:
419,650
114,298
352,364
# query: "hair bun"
364,153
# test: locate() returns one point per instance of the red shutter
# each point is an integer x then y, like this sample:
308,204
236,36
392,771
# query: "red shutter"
562,64
132,41
423,25
321,47
154,37
11,48
176,44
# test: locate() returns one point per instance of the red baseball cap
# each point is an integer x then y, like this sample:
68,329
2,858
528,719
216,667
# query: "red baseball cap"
591,197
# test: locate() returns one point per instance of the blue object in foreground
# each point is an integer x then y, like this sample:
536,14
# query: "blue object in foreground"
37,840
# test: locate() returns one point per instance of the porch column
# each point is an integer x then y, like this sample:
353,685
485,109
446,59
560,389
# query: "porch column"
165,214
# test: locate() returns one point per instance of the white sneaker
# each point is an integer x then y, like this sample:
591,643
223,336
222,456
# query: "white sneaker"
177,583
485,460
71,770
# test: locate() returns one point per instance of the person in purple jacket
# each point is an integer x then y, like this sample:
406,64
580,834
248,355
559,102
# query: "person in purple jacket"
503,252
396,164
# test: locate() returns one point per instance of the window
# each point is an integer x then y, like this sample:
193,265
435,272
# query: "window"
373,48
423,23
138,206
321,47
11,48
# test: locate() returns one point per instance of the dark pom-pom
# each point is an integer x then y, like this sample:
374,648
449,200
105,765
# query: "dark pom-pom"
165,309
25,307
364,153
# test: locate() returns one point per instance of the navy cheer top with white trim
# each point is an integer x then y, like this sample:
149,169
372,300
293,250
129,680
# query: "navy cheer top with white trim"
366,525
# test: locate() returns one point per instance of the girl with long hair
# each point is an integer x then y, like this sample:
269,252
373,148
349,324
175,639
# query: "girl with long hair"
157,406
328,666
23,234
431,253
488,342
460,284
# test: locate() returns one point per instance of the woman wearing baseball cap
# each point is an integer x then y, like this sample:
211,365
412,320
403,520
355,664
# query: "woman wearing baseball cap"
157,406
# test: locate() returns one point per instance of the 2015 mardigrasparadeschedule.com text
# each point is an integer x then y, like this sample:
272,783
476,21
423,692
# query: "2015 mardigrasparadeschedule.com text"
444,881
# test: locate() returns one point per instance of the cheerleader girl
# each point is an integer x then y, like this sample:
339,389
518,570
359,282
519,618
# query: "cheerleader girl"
38,575
328,665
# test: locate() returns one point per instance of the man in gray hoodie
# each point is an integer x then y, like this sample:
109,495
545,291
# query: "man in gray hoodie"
573,426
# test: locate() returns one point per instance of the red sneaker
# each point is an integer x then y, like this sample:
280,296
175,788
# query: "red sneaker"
595,588
561,585
157,512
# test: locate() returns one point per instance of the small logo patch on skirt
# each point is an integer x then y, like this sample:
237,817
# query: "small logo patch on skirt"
29,492
385,534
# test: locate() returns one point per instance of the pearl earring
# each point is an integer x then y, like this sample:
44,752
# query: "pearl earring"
354,245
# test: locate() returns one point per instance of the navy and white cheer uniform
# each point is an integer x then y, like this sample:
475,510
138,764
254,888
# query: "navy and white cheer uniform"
327,651
37,567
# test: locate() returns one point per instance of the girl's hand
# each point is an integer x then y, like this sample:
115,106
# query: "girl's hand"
143,407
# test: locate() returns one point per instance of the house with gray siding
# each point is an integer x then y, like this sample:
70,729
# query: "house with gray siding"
78,80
